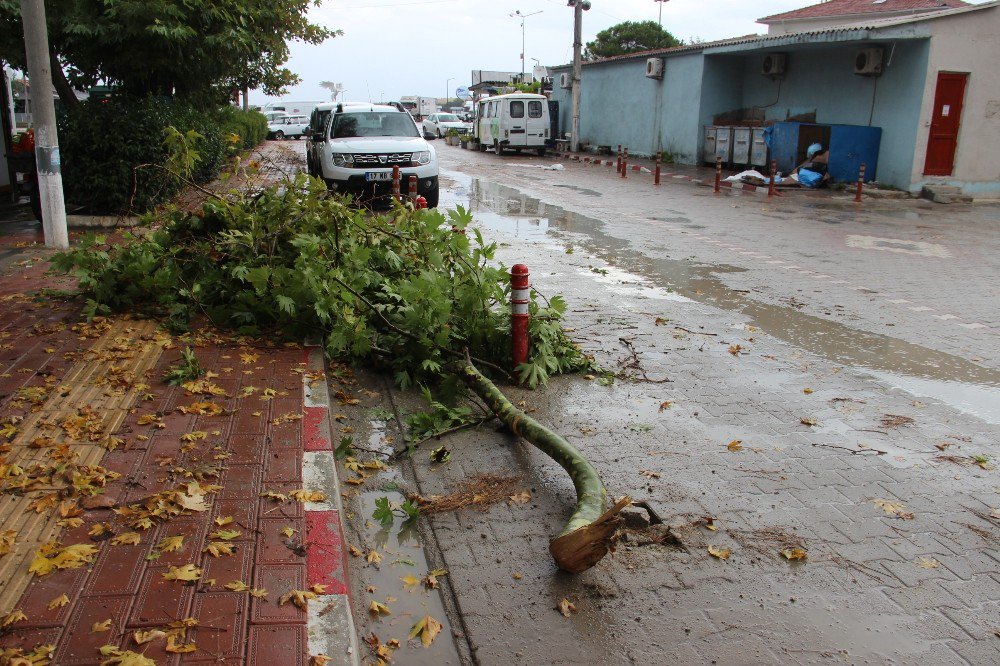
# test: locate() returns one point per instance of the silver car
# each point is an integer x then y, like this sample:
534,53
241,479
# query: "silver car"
438,124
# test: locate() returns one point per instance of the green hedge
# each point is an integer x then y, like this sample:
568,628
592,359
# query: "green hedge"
111,150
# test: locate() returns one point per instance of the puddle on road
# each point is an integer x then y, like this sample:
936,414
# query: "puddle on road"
402,555
953,380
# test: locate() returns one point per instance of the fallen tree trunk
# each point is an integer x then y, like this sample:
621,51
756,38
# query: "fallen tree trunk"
588,535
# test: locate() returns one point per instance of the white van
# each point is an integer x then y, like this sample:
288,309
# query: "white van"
518,121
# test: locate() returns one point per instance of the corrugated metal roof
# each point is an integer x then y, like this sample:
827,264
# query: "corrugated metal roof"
841,31
834,8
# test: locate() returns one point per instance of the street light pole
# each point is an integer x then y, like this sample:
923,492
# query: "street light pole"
660,21
518,14
43,111
447,87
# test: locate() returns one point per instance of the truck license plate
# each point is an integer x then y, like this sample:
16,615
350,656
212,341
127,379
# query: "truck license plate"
375,176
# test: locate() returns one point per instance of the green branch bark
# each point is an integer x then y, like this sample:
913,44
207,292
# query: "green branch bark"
589,533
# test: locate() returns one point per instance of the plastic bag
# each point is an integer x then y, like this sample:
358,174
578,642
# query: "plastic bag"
810,178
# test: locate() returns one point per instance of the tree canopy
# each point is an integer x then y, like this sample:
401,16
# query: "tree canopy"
197,49
629,37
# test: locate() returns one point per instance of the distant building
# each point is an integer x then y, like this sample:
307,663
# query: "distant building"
918,79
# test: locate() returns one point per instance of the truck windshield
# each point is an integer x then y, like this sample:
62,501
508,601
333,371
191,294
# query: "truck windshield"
347,125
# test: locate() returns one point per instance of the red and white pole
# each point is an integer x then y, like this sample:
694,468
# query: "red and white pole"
656,173
718,174
770,184
861,181
618,166
625,163
519,300
413,188
395,182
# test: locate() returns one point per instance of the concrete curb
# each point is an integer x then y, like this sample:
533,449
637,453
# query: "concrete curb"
331,621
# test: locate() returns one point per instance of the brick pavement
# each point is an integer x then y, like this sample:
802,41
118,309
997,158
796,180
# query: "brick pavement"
145,478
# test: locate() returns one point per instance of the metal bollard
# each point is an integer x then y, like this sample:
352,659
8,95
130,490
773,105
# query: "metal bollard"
618,164
656,173
770,184
625,163
861,181
718,174
395,183
413,188
519,300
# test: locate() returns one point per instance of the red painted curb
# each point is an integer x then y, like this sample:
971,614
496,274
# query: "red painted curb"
326,563
316,430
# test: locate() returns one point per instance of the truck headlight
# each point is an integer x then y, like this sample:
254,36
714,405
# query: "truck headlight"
423,157
342,159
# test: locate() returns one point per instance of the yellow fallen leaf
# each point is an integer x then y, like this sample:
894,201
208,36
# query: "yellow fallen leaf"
808,422
410,582
124,657
225,535
318,588
218,549
302,495
176,647
721,553
142,637
897,509
522,497
258,592
298,597
927,563
288,532
376,609
202,408
204,387
126,539
172,543
98,627
566,607
807,391
427,629
666,404
98,529
12,617
50,557
7,541
186,573
319,660
796,553
58,602
373,557
223,520
237,586
650,474
355,551
194,436
735,445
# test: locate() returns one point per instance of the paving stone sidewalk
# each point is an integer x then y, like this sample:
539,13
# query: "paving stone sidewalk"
186,511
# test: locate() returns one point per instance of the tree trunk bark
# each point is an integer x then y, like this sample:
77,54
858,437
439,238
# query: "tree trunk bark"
61,83
589,533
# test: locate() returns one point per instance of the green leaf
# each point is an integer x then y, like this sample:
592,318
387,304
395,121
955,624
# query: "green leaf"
383,512
345,448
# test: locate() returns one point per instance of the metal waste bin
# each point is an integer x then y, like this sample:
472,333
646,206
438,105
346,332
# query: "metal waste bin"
708,147
741,145
724,143
758,148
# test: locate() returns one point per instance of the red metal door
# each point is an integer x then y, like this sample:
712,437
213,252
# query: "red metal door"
943,138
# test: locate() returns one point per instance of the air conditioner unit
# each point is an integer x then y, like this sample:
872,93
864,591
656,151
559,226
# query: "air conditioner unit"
774,64
565,80
654,68
869,62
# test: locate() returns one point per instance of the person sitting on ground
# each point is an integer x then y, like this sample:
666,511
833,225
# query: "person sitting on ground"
814,172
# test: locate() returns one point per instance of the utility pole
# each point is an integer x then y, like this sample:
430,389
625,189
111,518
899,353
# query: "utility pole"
447,87
43,111
578,7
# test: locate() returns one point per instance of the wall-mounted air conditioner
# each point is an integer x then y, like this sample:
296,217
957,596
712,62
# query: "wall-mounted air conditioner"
654,68
869,62
565,80
774,64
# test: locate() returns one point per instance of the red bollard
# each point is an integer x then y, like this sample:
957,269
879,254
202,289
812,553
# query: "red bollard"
656,173
413,188
770,184
395,182
618,164
519,300
861,180
420,202
625,163
718,174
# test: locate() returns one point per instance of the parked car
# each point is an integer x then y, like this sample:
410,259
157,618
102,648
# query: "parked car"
518,121
288,126
362,143
315,138
438,124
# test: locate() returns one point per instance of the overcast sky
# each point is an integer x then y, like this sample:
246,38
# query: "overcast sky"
392,48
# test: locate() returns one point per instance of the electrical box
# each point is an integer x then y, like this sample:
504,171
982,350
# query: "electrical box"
869,62
724,143
741,145
774,64
565,80
708,147
654,68
758,147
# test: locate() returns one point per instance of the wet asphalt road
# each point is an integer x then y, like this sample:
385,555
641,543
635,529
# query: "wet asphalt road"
851,354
